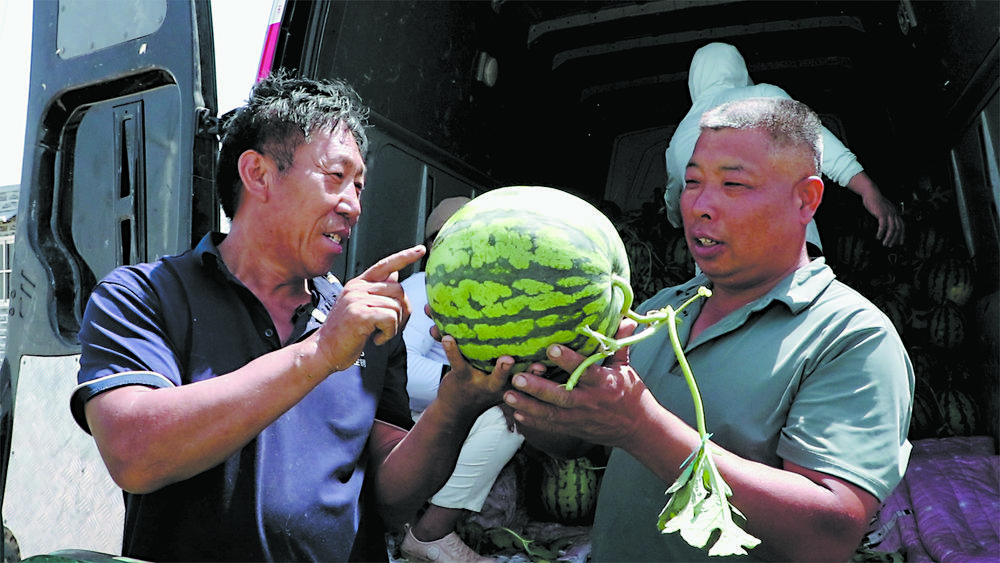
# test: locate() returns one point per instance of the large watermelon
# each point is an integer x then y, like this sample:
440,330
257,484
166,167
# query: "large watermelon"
520,268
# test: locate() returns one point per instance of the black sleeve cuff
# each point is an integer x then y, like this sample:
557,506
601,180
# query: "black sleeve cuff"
90,389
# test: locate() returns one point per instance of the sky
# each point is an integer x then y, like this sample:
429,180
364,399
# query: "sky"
239,26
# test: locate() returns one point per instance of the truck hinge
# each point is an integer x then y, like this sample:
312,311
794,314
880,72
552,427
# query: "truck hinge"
208,124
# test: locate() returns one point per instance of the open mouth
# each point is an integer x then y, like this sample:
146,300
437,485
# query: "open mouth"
333,236
703,241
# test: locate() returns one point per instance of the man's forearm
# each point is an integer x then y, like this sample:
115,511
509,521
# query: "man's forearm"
152,438
800,515
863,185
416,464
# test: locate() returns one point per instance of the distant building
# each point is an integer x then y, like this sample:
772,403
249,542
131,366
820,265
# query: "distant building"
8,222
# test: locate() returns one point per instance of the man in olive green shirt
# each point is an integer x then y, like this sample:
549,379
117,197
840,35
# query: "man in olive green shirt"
806,385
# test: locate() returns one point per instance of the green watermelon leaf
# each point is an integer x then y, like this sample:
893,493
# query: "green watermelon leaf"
699,508
505,537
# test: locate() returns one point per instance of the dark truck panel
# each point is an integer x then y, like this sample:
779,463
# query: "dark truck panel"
111,169
118,169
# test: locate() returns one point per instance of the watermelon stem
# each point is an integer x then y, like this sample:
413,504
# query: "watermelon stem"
608,345
699,409
699,498
626,289
692,510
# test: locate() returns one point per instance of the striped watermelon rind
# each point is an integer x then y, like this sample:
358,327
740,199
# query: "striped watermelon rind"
948,279
520,268
960,412
895,309
853,252
926,419
946,326
930,243
569,489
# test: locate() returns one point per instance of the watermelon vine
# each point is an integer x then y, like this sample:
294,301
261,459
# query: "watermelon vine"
699,498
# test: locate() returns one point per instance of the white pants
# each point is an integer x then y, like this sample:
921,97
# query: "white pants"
487,449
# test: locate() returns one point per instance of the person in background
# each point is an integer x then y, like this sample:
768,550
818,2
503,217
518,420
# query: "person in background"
719,74
489,446
251,406
806,385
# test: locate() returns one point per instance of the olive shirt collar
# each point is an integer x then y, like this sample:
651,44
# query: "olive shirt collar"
796,291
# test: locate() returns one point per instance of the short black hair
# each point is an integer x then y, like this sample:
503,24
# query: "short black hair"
282,113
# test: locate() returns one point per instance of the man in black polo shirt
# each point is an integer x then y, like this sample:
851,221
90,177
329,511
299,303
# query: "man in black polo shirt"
251,406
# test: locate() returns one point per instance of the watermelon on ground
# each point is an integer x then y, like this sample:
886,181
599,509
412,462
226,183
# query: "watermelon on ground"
569,489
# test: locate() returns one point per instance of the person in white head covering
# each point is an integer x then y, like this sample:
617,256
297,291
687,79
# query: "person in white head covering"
718,74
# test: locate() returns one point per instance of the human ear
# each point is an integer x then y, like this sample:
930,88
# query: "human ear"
255,173
809,192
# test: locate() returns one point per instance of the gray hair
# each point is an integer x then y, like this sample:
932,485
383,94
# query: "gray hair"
790,123
282,113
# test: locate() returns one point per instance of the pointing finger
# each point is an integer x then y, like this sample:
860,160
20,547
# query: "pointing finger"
384,268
